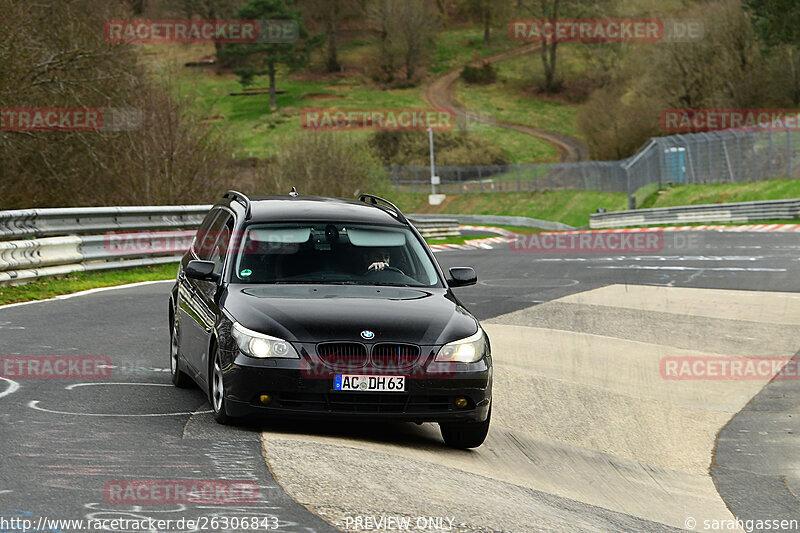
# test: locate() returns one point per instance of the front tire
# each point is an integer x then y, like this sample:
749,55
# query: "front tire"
465,435
179,377
217,392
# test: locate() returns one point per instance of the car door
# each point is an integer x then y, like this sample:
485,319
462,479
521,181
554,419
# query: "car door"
205,292
192,310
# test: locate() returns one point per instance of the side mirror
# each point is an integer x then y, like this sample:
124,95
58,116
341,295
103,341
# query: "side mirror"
462,276
201,270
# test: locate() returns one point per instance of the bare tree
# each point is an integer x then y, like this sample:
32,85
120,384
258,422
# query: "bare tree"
489,13
169,156
407,30
332,14
381,13
212,9
416,27
721,70
324,163
552,11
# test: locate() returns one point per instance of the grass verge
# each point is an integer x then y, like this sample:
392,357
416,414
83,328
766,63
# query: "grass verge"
569,207
778,189
50,287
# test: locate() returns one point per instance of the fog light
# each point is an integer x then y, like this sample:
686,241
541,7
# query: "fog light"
461,402
265,399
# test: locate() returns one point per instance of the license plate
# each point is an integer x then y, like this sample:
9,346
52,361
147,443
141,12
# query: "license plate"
362,383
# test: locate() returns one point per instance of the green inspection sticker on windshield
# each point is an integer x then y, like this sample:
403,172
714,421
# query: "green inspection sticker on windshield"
246,273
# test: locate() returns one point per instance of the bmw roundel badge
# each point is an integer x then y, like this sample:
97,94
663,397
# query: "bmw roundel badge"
367,334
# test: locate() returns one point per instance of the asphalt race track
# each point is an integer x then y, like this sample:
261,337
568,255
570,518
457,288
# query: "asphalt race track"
587,434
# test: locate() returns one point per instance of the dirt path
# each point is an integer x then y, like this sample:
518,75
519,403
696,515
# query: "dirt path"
440,93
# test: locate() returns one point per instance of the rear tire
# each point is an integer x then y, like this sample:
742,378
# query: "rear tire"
217,392
179,378
465,435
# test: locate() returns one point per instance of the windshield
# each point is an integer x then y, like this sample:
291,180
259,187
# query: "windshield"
332,253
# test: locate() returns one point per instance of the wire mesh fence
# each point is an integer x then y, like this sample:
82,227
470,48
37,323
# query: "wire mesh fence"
697,158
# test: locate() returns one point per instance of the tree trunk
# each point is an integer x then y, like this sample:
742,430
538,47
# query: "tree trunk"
333,55
273,100
138,6
332,29
487,23
387,61
442,6
549,57
551,73
795,75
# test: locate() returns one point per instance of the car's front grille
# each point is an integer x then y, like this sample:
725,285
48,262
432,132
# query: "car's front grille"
343,356
394,356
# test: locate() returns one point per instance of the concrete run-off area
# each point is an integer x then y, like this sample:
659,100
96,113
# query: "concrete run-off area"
587,434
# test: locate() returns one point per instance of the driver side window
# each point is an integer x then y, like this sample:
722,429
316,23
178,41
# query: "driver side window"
220,249
203,241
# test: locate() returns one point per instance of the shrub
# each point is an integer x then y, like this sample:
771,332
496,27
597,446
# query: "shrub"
172,156
325,164
452,149
479,75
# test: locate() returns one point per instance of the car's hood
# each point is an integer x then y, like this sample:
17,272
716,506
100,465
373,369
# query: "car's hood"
316,313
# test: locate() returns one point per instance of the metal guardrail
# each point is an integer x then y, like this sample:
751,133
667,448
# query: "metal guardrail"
87,220
488,220
44,242
733,212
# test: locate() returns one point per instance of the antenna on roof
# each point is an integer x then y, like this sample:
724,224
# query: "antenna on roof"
293,193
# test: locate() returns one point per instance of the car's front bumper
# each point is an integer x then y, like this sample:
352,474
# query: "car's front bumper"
430,396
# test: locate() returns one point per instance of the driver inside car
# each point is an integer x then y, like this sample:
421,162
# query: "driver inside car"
376,259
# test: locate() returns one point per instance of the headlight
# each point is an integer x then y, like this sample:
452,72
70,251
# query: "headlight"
261,346
466,350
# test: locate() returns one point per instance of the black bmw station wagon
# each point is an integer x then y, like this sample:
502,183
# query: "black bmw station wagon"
320,307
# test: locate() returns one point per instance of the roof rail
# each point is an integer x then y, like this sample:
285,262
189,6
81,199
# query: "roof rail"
242,199
372,199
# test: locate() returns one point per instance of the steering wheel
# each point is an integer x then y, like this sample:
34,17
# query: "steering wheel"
384,269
